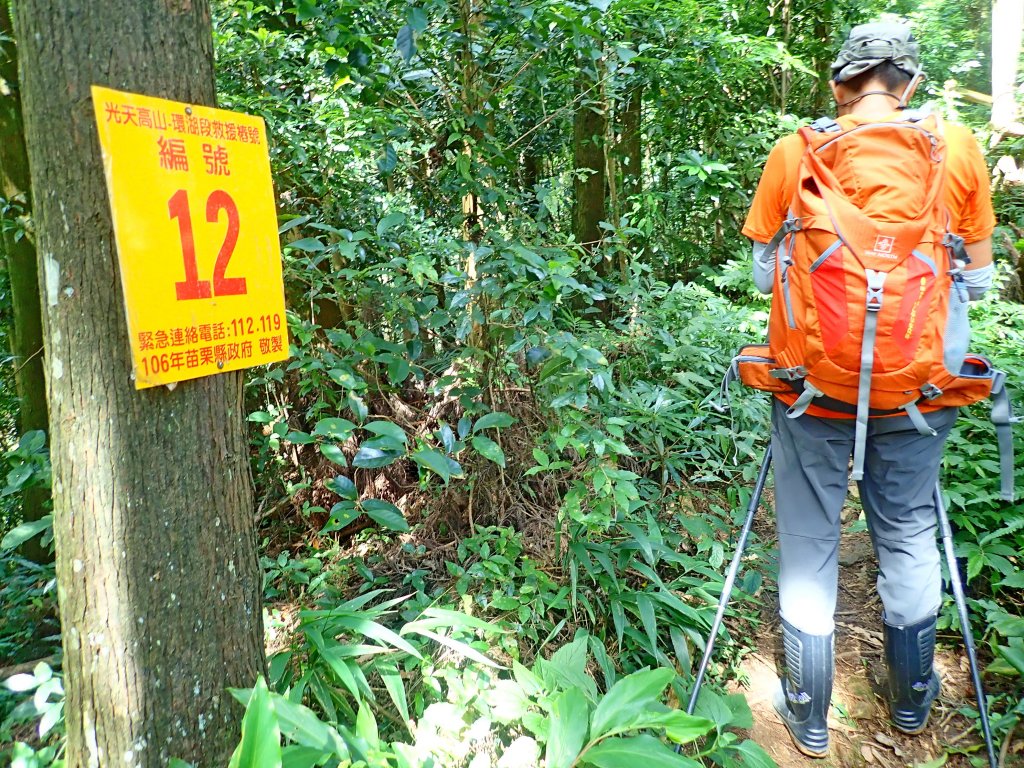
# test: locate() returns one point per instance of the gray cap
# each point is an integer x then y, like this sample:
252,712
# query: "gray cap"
868,45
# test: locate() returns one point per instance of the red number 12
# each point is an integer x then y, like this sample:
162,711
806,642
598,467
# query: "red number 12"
192,287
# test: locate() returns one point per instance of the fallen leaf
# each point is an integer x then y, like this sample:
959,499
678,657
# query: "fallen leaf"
881,738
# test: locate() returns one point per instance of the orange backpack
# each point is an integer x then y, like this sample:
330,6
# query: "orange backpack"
865,269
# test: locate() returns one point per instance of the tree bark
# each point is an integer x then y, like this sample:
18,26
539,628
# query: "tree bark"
158,579
589,163
630,148
26,321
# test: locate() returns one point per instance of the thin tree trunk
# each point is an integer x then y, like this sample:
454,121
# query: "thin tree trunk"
630,147
27,324
822,61
158,579
589,164
785,76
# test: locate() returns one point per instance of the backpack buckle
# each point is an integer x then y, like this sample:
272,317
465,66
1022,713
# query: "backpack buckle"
876,284
826,125
791,225
789,374
930,391
954,244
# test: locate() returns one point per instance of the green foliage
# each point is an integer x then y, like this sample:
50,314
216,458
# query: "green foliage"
990,532
42,694
28,466
554,708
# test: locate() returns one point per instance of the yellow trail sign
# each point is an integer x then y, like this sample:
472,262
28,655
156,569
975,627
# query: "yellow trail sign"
196,230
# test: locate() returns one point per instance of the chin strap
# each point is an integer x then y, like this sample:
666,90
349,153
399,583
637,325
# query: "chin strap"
901,99
864,95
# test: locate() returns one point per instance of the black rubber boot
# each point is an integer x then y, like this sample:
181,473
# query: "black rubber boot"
806,690
913,684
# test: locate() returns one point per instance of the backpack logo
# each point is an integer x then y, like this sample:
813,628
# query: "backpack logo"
883,247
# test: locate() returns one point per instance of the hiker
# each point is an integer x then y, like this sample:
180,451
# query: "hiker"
896,459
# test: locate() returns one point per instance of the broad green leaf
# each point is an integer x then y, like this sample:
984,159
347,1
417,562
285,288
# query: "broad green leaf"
342,513
390,221
489,449
645,751
395,687
334,428
1008,625
22,533
405,42
447,438
297,756
366,726
438,463
368,457
754,756
260,746
1014,655
386,514
508,701
569,716
1013,581
647,618
386,429
333,453
497,420
634,693
306,10
339,665
714,708
292,224
300,725
308,244
742,717
343,486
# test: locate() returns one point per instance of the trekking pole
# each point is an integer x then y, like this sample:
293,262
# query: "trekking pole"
965,623
730,579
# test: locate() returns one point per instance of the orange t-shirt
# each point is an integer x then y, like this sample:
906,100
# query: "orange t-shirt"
966,185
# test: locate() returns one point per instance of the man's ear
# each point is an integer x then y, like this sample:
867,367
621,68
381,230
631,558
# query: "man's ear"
918,79
838,91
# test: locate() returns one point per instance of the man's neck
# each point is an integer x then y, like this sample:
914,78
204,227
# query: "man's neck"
873,105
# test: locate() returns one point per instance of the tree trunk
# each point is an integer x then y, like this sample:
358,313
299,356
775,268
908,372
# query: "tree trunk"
630,149
27,324
589,163
1007,23
158,579
785,75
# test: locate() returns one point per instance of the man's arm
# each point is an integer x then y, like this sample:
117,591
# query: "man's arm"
764,267
978,274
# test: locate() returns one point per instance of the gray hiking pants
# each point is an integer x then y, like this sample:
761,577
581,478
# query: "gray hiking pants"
811,463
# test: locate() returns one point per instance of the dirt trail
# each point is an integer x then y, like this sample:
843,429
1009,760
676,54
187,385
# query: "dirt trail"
861,735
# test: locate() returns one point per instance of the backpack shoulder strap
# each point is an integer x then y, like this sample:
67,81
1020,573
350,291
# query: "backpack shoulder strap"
826,125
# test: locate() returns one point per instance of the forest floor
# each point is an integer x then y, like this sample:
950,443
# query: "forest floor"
861,733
